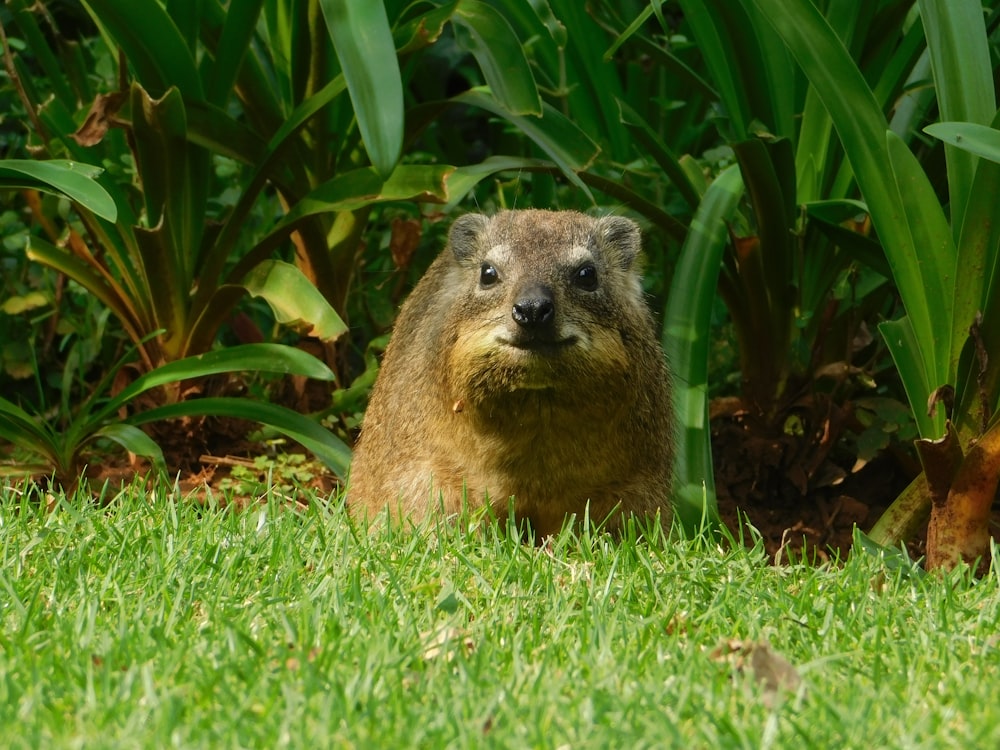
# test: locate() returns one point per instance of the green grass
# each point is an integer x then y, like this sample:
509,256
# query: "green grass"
150,623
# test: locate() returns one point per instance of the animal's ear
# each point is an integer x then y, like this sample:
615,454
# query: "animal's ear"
463,238
621,238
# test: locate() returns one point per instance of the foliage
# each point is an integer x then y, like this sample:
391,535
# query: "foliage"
59,448
147,620
305,115
944,267
60,177
25,302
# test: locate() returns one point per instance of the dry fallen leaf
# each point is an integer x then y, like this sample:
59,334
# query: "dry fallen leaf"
404,241
441,642
99,119
769,668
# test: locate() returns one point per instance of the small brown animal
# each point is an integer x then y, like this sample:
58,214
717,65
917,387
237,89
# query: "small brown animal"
524,365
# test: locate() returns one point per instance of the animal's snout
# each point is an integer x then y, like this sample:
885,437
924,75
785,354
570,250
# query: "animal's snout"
534,308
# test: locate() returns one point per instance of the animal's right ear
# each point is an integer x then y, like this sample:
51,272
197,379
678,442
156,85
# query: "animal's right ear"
464,234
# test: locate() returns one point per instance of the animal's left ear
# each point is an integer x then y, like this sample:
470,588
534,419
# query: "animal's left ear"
621,238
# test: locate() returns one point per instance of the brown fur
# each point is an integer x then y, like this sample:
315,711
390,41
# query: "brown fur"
469,405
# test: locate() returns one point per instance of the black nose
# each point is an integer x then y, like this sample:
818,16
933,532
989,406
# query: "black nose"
534,307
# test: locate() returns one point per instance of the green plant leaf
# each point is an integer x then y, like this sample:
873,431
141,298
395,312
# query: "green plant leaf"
981,140
276,358
357,188
559,137
685,340
463,179
90,279
60,177
483,31
175,190
135,441
234,42
749,70
323,443
977,282
829,217
363,42
651,143
933,259
862,128
906,353
963,82
21,429
422,31
294,299
152,43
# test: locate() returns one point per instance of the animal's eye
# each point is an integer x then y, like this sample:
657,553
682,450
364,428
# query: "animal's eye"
586,277
488,275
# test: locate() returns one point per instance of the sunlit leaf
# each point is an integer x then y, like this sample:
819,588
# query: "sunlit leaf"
60,177
276,358
294,299
361,187
981,140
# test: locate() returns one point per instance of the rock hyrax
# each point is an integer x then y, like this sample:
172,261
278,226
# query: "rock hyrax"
524,365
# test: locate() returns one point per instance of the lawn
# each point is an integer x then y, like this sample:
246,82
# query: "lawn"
153,622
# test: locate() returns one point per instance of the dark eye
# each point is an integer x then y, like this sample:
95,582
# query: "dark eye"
586,277
488,275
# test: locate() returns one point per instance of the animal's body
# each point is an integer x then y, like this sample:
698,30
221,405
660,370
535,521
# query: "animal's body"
524,365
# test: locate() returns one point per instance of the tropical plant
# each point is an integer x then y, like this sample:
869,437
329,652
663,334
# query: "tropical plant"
60,448
73,180
22,344
310,97
944,264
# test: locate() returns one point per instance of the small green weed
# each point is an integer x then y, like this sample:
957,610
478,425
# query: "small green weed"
284,472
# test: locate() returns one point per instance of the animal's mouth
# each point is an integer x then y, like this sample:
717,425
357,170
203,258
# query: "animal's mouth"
538,345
